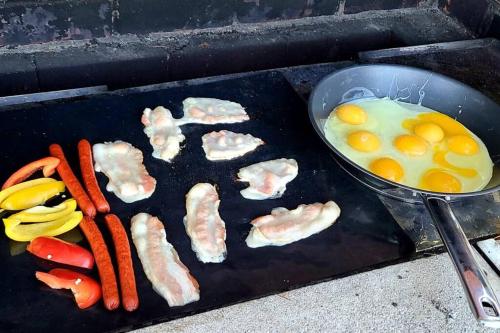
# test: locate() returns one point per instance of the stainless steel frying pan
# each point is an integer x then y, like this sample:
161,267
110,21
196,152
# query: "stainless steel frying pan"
476,111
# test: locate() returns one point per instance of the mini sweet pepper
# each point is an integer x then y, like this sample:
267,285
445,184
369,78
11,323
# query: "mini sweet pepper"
32,196
44,214
25,232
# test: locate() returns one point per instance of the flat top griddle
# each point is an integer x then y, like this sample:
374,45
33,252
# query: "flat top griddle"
364,236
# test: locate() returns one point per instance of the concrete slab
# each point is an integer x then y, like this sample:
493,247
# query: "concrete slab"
419,296
491,248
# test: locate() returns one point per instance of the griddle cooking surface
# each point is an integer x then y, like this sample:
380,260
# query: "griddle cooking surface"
364,235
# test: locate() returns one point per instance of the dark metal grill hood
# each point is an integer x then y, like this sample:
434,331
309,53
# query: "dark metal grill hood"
49,45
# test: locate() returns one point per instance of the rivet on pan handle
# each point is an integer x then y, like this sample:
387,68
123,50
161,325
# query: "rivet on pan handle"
482,299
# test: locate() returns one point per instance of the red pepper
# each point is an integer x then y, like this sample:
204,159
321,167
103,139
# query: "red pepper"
54,249
48,164
85,289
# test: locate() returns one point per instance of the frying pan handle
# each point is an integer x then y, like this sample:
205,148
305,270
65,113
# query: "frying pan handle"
479,293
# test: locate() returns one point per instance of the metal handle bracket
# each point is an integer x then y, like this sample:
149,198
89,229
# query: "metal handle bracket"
482,299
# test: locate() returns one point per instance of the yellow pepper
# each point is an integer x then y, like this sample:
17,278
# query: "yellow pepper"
10,190
32,196
44,214
27,232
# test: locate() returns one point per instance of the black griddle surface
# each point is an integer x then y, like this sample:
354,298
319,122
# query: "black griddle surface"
364,236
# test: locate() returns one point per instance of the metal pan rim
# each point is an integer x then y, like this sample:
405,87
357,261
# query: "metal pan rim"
447,196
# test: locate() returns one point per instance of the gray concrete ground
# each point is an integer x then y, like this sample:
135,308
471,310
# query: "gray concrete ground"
424,295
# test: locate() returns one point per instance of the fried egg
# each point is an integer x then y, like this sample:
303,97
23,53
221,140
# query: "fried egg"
410,144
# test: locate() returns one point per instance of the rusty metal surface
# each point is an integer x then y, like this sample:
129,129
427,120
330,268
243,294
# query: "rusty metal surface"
29,22
180,55
26,22
477,15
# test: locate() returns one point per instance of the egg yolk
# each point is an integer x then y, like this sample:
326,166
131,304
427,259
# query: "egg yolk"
429,131
411,145
363,141
440,158
387,168
463,145
449,125
440,181
351,114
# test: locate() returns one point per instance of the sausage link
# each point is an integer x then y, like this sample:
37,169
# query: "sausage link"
72,183
130,299
88,175
103,261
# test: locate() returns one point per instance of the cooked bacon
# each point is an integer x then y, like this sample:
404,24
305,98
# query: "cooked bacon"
122,163
268,179
161,263
211,111
204,224
285,226
226,145
164,134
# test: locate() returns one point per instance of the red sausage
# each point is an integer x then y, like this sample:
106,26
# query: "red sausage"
72,183
130,300
103,261
88,175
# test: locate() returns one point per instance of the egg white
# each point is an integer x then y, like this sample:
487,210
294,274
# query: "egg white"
385,118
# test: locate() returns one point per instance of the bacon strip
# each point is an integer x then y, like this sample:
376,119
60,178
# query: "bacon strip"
203,223
161,263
